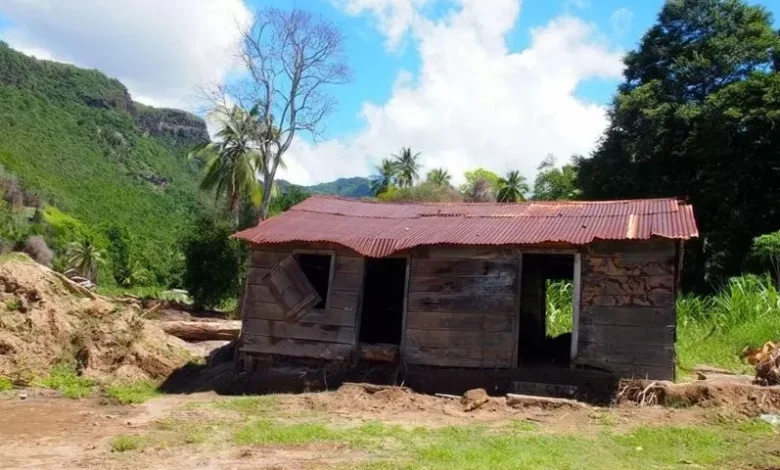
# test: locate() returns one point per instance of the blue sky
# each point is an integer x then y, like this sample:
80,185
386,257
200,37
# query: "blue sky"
376,68
492,83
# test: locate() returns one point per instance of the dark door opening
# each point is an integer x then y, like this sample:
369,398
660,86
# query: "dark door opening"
546,309
381,315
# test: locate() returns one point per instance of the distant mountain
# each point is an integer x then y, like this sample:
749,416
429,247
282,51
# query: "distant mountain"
357,186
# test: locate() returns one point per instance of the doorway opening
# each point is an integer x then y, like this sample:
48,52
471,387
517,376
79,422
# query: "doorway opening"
547,300
381,316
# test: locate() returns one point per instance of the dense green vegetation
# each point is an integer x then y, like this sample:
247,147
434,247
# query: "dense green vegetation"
94,162
697,117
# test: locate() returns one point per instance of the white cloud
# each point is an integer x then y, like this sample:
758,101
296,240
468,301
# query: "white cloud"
394,17
473,102
162,50
620,21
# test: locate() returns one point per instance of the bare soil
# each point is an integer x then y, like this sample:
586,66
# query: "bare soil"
46,432
45,319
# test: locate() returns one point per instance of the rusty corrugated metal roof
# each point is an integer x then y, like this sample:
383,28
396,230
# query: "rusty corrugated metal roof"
381,229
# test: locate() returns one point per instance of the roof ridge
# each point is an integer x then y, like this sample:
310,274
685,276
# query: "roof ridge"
464,203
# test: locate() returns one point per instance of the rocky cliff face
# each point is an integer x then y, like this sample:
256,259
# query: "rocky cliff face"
171,125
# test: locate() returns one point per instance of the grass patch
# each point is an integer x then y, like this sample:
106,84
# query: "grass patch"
478,447
250,405
12,305
128,442
133,393
711,330
67,381
6,384
270,432
714,330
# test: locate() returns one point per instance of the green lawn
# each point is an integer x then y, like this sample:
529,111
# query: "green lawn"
257,425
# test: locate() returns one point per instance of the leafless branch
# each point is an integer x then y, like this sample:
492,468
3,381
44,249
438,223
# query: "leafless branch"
291,58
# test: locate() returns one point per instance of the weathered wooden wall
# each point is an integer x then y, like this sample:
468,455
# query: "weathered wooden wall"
319,333
462,308
627,308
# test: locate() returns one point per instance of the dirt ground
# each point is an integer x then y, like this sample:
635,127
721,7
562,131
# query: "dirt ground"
42,431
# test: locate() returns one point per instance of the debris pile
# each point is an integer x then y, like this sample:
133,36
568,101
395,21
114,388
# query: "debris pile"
45,319
766,359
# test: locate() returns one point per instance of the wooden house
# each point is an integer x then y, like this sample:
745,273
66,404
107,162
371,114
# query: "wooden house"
463,285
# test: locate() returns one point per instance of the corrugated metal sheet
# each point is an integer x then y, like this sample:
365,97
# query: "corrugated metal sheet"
377,230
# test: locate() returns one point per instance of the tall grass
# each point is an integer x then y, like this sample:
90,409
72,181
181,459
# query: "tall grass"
714,329
711,330
559,307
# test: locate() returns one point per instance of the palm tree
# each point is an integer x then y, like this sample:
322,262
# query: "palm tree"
513,188
407,166
439,177
386,175
83,258
232,159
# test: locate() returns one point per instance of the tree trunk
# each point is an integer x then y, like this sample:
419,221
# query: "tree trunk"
202,330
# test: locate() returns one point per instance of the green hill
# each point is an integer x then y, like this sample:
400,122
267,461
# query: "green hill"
346,187
97,160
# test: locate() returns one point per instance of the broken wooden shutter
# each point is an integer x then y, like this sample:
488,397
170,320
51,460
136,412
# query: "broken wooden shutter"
291,288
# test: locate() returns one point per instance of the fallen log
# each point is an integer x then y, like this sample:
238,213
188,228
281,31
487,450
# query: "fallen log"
202,330
524,401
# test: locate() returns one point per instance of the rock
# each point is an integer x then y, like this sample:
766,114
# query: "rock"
473,399
23,395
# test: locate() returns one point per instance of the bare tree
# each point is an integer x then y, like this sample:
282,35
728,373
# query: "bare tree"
291,59
482,191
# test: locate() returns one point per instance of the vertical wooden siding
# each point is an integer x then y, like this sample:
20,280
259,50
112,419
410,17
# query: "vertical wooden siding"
319,333
627,308
462,309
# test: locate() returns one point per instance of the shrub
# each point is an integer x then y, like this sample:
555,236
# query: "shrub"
213,262
423,192
65,379
767,249
38,250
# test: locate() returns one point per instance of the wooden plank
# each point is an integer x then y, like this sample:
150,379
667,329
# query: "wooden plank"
463,303
347,282
472,340
657,246
405,306
295,347
488,252
635,371
627,335
267,259
291,288
518,309
576,306
629,285
454,285
265,311
257,275
634,354
629,316
628,266
460,321
344,300
259,293
464,267
299,330
452,357
349,264
647,300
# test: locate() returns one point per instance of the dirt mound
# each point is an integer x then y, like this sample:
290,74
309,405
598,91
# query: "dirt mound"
45,319
725,392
